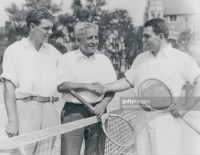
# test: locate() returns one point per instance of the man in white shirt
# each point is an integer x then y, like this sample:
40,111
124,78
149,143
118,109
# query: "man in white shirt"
77,71
30,77
160,133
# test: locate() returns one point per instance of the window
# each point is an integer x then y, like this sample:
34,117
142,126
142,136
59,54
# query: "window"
173,18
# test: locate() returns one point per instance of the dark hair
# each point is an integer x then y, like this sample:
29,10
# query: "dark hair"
159,26
35,16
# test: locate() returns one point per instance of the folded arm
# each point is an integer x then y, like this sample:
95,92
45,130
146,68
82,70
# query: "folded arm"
191,101
67,86
194,99
119,85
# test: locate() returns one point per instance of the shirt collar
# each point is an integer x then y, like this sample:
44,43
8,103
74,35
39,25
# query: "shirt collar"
82,56
164,51
26,42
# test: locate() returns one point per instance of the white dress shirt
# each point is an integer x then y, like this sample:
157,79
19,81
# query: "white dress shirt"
76,67
32,72
171,66
161,133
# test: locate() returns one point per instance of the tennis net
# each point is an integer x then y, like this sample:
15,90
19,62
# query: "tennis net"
47,141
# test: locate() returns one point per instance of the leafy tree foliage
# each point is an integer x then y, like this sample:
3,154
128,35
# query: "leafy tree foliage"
17,17
184,40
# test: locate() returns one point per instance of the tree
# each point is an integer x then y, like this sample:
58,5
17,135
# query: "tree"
118,28
63,33
88,13
76,7
33,4
185,39
17,26
94,8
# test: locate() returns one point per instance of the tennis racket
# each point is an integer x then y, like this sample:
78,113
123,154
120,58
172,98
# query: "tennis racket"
116,128
156,96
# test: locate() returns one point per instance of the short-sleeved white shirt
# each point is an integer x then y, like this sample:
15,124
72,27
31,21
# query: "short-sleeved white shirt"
76,67
171,66
33,72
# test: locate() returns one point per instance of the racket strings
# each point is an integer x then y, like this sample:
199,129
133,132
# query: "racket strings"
154,89
156,94
113,149
119,130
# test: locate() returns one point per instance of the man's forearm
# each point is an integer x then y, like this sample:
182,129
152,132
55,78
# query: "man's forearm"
10,101
119,85
194,98
108,98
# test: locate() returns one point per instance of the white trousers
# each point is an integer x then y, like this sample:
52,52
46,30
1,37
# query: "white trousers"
34,116
191,140
158,134
3,123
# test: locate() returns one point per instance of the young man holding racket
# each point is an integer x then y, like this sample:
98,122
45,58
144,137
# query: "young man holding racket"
160,132
78,70
30,78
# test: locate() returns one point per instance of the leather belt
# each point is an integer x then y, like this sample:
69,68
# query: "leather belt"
76,103
39,99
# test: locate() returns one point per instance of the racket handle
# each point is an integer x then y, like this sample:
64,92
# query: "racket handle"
82,100
189,122
192,125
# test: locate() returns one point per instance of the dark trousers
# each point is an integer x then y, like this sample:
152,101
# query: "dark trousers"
93,135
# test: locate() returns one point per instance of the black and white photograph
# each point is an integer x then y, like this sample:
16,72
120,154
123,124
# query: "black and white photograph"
99,77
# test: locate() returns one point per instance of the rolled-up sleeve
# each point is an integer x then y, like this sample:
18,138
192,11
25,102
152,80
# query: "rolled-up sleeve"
9,66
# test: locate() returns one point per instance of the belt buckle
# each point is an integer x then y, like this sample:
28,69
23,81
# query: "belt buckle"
29,98
40,99
51,99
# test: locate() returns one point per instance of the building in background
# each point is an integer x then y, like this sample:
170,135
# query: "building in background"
154,9
179,14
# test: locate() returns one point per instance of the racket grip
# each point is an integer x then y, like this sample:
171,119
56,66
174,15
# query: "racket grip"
82,100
